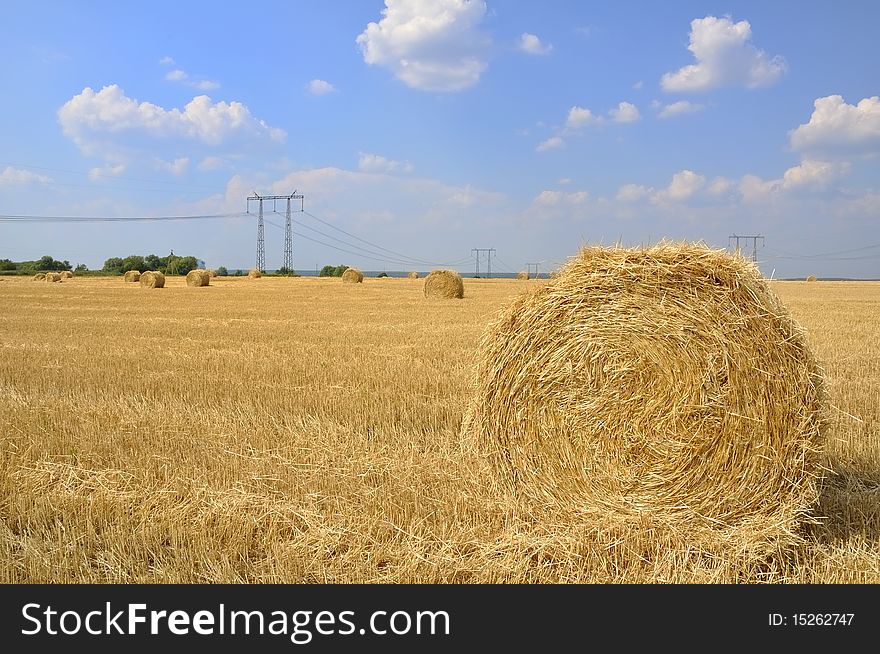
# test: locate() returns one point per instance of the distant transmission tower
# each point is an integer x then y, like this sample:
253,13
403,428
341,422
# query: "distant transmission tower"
754,244
529,268
287,263
489,251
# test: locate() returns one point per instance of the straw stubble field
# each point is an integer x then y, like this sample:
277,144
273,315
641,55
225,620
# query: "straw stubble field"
305,430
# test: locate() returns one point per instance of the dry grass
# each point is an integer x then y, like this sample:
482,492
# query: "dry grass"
198,277
352,276
444,284
152,279
328,447
660,388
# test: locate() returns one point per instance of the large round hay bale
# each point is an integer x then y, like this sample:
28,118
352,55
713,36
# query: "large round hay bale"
66,274
811,278
445,284
254,273
352,276
665,387
40,277
198,277
53,277
413,275
522,274
152,279
131,276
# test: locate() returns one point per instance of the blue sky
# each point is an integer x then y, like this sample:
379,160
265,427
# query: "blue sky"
425,129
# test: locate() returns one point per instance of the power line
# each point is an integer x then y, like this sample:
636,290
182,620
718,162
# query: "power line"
21,218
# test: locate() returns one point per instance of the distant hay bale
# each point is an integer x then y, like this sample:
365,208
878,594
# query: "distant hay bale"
198,277
39,277
445,284
131,276
811,278
152,279
413,275
212,273
352,276
664,387
66,274
254,274
522,275
53,277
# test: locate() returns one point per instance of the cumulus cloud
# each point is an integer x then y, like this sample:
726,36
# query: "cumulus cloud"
626,112
809,175
18,177
176,75
725,57
680,107
176,167
836,126
430,45
719,186
553,143
629,193
110,111
532,45
683,186
180,75
320,87
579,117
374,163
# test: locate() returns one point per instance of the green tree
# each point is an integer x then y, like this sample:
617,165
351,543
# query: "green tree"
153,262
222,272
81,267
238,273
134,262
113,265
7,264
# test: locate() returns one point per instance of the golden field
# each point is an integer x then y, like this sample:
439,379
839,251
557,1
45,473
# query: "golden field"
306,430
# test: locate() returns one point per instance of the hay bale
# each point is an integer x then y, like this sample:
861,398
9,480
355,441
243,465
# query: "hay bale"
254,273
212,273
413,275
53,277
66,274
665,387
39,277
198,277
352,276
131,276
811,278
152,279
445,284
522,274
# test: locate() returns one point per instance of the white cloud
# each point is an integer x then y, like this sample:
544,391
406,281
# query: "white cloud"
579,117
680,107
810,175
16,177
549,198
638,85
684,185
725,57
838,126
532,45
374,163
205,85
626,112
552,143
176,75
212,163
719,186
562,181
320,87
180,75
110,111
629,193
430,45
110,170
167,61
176,167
